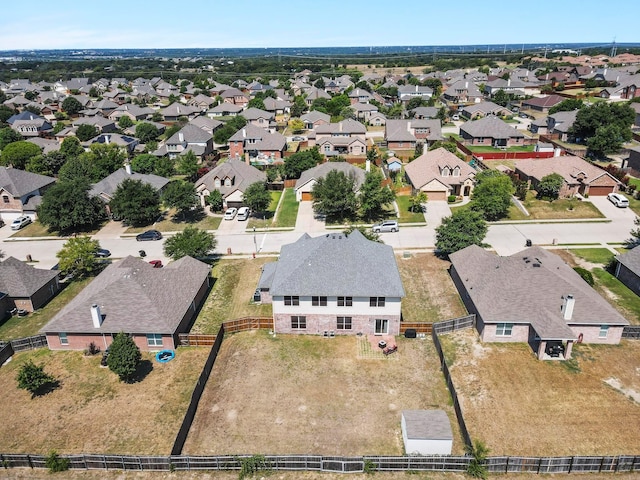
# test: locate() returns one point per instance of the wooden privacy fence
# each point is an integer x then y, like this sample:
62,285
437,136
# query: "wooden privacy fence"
444,463
631,331
20,345
248,323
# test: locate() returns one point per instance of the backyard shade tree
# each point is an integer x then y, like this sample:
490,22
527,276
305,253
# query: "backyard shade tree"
135,202
146,132
374,195
71,105
334,195
301,161
461,229
125,122
33,378
492,194
77,258
604,126
192,242
188,165
86,132
124,357
144,163
257,197
17,154
8,135
67,207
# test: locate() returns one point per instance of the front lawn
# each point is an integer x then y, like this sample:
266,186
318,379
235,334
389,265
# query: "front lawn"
563,208
171,221
20,327
37,229
405,215
288,212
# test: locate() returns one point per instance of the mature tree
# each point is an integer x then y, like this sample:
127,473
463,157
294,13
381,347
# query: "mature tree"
78,257
94,92
366,232
257,197
549,186
192,241
107,159
125,121
296,125
492,194
124,357
71,147
463,228
256,103
347,112
147,132
180,195
78,167
7,136
374,195
334,195
38,165
164,167
567,105
214,200
222,135
33,378
66,207
17,154
608,139
417,201
135,202
86,132
590,118
299,106
144,163
187,165
71,105
301,161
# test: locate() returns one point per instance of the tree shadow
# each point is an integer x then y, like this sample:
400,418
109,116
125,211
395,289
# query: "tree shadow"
145,367
46,389
192,216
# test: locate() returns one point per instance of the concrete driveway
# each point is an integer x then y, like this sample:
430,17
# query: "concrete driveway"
436,211
306,220
232,226
610,210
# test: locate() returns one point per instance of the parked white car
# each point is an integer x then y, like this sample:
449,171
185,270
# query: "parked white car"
618,200
230,213
243,213
20,222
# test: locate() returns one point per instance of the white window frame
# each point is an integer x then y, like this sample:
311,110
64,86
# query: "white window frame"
154,339
504,329
64,338
604,331
344,323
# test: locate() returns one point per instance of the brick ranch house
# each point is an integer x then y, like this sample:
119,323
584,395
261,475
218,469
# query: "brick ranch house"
534,297
25,286
153,305
334,284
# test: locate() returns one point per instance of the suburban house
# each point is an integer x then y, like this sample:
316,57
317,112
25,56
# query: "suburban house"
258,143
173,112
21,192
542,104
235,97
106,187
364,111
189,138
358,95
439,173
377,119
231,179
277,106
152,305
634,159
307,298
580,176
560,123
260,118
407,92
314,119
134,112
514,87
345,128
628,269
420,113
462,92
491,131
333,146
27,287
123,141
534,297
28,124
225,109
209,125
304,185
102,125
406,134
482,109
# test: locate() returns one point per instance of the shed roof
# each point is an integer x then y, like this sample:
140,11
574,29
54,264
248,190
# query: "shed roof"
427,425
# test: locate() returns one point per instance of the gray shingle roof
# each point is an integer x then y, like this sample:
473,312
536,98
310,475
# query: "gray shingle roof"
134,297
19,279
242,176
18,182
320,171
189,134
108,185
427,425
264,141
512,289
491,127
631,260
429,165
335,264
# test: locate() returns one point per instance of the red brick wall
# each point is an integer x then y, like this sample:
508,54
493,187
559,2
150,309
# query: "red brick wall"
318,324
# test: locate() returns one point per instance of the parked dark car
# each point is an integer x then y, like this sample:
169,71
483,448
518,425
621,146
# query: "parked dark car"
149,235
103,253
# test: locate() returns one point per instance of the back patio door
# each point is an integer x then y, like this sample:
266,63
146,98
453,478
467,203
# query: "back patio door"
382,326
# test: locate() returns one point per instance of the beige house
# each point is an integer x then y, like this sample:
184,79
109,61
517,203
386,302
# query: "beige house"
439,173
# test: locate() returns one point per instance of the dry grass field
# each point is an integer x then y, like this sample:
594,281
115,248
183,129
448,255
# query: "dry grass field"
308,394
519,405
431,294
92,411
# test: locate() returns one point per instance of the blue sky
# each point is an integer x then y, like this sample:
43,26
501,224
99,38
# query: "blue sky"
50,24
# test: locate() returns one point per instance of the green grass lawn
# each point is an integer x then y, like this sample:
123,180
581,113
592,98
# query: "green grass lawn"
405,215
36,229
601,256
20,327
172,222
564,208
265,220
288,212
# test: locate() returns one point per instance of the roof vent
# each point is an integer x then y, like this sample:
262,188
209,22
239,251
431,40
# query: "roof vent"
536,265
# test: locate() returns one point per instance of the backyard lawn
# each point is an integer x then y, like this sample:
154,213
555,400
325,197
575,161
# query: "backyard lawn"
20,327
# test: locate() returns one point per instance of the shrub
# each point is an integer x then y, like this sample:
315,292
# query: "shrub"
249,466
585,274
451,198
55,463
92,349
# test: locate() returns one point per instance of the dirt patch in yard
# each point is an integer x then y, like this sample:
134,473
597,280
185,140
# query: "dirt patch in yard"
519,405
431,294
92,411
312,395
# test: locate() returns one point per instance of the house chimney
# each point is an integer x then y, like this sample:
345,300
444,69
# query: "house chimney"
127,168
106,139
96,316
466,85
244,133
246,158
368,165
181,136
509,82
567,306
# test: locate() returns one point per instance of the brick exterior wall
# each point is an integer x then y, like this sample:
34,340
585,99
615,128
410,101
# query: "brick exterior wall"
8,203
519,333
80,341
630,279
236,149
317,324
591,334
